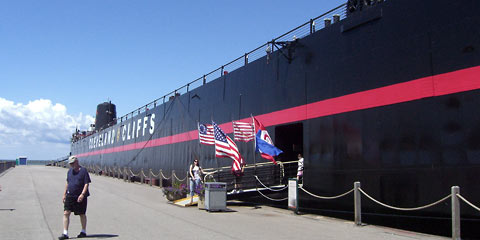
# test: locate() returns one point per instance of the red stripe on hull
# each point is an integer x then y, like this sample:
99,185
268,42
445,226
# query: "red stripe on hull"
438,85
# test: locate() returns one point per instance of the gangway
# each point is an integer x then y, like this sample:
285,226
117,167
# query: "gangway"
256,177
188,201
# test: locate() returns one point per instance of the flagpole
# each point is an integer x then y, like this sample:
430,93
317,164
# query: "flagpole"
215,147
254,148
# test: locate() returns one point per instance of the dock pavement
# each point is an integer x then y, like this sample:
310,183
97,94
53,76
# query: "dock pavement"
31,208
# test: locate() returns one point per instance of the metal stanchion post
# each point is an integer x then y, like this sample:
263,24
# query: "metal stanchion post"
129,176
150,176
142,178
188,182
124,174
455,213
173,178
160,178
358,203
293,194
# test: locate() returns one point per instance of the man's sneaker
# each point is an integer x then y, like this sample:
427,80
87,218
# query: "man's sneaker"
63,237
81,235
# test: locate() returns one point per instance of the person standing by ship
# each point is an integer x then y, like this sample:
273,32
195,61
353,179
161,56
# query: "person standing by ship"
300,167
75,196
195,177
237,188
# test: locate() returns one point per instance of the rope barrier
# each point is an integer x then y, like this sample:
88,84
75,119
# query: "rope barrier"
275,190
405,209
323,197
467,202
132,174
154,175
180,180
163,176
271,199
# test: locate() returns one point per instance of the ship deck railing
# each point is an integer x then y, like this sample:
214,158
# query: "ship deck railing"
334,16
311,26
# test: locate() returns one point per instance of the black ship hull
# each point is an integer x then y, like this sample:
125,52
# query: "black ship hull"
388,97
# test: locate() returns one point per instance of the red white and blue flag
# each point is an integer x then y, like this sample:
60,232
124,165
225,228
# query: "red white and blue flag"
243,132
226,147
264,144
205,134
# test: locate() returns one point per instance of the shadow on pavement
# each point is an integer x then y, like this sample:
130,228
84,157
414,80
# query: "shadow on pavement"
101,236
242,204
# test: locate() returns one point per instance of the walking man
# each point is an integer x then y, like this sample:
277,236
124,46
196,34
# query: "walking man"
75,196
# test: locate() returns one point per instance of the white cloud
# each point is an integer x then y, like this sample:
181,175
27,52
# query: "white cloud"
40,128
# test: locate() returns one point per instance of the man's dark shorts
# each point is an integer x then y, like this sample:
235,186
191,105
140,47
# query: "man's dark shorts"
78,208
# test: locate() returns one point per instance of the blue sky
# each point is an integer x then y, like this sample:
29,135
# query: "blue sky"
77,54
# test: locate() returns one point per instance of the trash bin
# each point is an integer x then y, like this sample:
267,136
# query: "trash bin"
215,196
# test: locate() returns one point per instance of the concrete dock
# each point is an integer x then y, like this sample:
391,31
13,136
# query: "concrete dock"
31,208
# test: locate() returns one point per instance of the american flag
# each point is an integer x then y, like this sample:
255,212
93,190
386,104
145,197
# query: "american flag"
243,132
205,134
226,147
